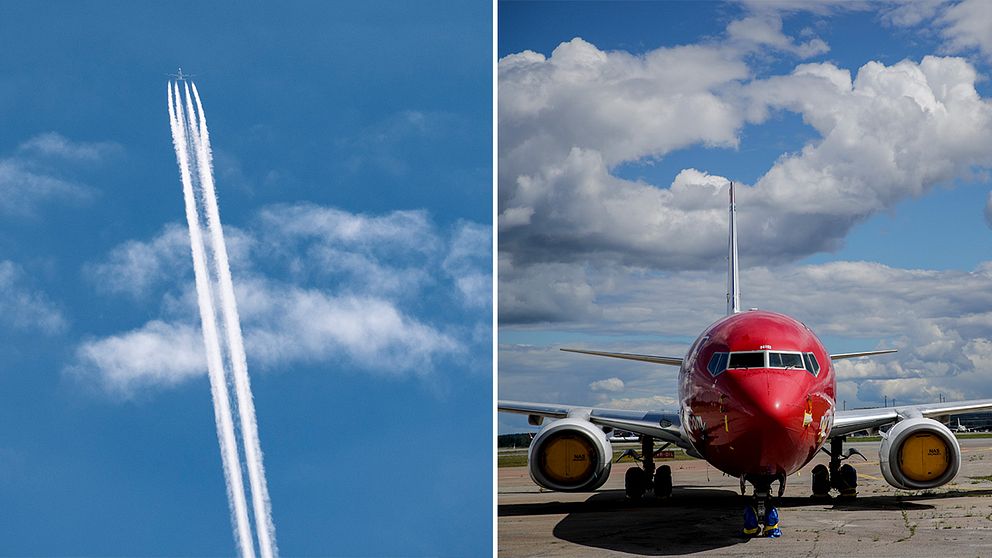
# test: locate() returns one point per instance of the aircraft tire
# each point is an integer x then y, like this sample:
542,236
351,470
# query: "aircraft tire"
635,482
848,481
663,482
821,481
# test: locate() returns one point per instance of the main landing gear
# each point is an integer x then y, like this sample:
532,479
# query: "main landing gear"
760,513
843,477
638,480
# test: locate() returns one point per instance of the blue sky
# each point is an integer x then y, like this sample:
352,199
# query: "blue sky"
858,132
369,349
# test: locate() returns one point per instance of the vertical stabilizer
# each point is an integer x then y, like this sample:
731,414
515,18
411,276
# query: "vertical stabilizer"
733,289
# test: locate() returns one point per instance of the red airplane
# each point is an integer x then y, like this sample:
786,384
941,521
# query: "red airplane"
757,394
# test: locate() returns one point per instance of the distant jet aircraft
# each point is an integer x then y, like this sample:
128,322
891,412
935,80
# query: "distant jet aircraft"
757,393
179,75
961,428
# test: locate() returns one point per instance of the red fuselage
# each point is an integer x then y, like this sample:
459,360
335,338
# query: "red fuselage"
769,411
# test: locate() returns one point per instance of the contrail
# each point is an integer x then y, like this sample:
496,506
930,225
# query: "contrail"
185,135
265,529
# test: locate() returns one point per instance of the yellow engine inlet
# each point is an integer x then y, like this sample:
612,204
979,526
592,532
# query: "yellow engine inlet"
567,458
923,457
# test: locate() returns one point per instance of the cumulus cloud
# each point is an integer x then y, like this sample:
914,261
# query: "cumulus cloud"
910,13
23,308
314,285
888,133
966,27
287,324
609,384
469,263
383,253
940,321
765,31
136,267
963,26
55,145
620,105
40,170
158,353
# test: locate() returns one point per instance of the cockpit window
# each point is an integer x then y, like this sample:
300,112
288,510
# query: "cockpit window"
718,363
747,360
785,360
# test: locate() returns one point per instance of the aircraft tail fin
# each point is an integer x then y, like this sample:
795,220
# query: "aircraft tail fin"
733,288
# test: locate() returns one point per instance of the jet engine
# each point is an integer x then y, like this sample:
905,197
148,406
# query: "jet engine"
570,455
919,453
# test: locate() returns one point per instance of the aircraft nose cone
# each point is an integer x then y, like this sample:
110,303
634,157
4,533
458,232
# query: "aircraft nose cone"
775,399
770,409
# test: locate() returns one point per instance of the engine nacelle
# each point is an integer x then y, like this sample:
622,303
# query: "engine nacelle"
570,455
919,453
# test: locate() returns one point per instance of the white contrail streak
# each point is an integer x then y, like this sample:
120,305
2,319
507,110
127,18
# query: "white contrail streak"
218,386
265,528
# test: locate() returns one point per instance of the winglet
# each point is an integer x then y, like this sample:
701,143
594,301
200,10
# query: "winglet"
733,288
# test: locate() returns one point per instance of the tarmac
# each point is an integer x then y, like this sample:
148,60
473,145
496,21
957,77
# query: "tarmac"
704,515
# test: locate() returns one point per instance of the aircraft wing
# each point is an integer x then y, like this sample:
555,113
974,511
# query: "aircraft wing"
671,361
840,356
664,425
847,422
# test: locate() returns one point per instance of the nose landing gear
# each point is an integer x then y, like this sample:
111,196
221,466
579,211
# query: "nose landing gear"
760,513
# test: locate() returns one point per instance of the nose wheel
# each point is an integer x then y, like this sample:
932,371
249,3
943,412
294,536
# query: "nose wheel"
760,513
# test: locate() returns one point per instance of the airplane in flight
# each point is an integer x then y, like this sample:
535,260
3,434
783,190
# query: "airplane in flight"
180,75
757,397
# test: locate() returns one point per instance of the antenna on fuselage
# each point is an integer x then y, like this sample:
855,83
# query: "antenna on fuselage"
733,289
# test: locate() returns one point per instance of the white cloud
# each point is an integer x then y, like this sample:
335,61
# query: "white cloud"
962,26
23,308
22,188
285,324
36,172
889,133
154,355
385,253
765,31
136,267
55,145
469,263
314,285
966,27
909,13
654,402
941,322
620,105
609,384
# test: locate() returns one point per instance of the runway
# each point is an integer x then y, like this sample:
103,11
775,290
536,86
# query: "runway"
704,515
